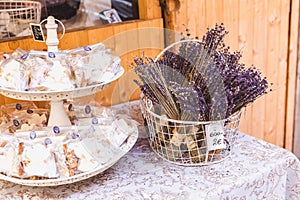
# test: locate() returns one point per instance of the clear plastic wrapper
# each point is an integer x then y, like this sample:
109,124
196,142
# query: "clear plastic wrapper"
112,70
11,108
89,64
25,120
8,156
3,118
13,73
85,50
92,113
48,71
36,160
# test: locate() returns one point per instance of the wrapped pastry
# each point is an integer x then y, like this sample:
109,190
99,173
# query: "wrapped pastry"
86,161
3,118
25,120
59,152
36,160
76,159
12,108
90,63
88,114
8,156
48,71
13,73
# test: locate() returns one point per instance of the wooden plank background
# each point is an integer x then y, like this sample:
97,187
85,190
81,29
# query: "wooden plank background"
295,42
293,134
261,31
296,145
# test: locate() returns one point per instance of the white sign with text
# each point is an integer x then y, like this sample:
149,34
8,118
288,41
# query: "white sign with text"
215,136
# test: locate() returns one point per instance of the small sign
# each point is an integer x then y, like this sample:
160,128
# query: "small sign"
215,136
110,16
37,32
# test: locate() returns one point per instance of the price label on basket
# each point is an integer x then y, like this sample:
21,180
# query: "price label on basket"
215,136
37,32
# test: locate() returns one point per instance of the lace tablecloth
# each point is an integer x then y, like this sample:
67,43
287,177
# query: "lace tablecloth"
255,170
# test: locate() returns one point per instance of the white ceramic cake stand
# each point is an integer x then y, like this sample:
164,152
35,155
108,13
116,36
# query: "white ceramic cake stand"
58,115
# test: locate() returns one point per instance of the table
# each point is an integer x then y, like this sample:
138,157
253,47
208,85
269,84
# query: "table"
255,170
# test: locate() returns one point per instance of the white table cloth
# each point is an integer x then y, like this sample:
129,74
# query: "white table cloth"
255,170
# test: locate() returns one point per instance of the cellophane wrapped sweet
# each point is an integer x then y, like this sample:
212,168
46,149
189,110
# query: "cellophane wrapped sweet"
48,71
90,63
13,73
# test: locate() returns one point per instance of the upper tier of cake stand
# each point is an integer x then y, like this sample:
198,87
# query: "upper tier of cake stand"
60,95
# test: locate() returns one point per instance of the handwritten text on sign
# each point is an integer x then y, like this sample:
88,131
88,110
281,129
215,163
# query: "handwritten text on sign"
215,136
37,32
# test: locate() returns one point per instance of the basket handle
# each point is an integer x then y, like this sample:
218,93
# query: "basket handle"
174,44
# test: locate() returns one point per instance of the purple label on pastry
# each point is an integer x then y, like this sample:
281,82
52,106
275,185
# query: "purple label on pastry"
18,106
51,55
94,121
75,136
29,111
47,141
87,48
24,56
16,122
32,135
56,129
87,109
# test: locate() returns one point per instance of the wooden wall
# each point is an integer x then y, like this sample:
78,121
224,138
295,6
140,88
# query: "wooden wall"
296,146
266,32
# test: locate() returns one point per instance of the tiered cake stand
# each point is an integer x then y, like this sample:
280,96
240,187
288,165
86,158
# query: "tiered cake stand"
58,117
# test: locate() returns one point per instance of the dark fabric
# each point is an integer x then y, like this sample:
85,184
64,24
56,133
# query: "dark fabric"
127,9
60,9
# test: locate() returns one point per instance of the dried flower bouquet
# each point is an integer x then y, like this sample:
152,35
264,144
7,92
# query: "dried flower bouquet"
199,81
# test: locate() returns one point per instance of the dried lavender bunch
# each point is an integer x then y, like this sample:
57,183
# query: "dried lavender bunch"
201,80
243,85
155,87
196,65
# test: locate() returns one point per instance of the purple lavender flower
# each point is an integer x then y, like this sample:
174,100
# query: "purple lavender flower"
208,71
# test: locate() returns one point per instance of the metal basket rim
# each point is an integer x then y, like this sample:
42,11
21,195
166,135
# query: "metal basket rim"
33,4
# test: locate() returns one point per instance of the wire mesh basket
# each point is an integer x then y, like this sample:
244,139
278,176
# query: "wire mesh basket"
15,17
186,142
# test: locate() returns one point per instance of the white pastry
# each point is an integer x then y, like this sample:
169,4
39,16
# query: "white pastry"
86,161
8,159
38,160
13,75
49,73
90,65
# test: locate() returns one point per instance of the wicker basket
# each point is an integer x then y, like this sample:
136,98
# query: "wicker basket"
185,142
15,17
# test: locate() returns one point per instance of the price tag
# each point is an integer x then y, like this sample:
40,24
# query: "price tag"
37,32
215,136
